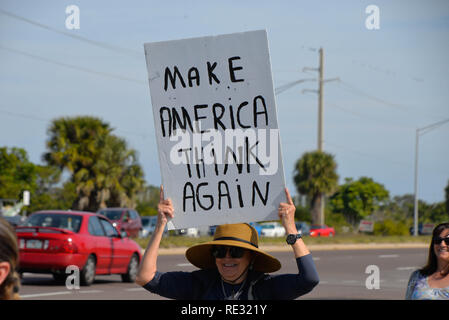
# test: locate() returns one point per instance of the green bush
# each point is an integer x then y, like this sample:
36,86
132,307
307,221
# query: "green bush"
337,221
389,227
146,210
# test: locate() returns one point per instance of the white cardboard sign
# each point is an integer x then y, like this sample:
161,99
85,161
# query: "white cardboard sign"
216,128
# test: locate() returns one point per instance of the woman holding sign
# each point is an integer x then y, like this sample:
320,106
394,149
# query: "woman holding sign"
232,266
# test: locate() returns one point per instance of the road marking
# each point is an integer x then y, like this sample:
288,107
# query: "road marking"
406,268
44,294
315,258
35,295
388,256
88,291
184,265
135,289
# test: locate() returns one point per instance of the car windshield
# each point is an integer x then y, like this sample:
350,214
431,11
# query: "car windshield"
112,214
147,221
267,226
316,227
63,221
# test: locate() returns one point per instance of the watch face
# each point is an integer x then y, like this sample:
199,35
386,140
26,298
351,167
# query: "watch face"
291,238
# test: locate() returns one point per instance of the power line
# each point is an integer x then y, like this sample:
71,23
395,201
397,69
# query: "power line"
278,90
337,106
23,115
289,85
353,89
383,70
32,117
369,155
359,92
74,67
104,45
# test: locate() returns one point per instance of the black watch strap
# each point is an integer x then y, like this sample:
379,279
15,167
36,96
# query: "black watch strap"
291,238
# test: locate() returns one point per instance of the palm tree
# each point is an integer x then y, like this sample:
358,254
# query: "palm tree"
314,176
99,162
119,175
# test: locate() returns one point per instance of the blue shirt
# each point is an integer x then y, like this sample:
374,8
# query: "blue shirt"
207,284
418,289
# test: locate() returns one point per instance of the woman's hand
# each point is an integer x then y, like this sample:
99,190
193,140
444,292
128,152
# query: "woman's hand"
148,266
286,212
164,209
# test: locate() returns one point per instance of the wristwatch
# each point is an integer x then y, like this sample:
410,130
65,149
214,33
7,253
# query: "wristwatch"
291,238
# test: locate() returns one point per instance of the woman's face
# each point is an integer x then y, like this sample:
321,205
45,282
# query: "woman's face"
442,249
232,268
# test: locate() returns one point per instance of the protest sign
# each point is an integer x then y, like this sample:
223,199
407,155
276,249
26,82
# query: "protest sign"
216,128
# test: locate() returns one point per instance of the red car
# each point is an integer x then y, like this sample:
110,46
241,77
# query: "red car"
124,219
50,241
321,231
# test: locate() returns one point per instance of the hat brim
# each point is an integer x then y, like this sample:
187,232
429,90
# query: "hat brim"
200,256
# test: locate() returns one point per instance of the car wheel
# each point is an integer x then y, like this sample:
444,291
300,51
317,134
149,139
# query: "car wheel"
331,234
88,272
133,267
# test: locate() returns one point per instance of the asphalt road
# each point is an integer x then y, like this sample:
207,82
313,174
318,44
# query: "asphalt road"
342,276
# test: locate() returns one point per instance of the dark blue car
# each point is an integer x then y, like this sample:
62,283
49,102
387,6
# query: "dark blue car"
303,228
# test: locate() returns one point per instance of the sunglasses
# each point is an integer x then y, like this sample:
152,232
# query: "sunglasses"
221,251
439,240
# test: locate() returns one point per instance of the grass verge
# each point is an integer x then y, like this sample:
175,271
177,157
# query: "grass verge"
182,241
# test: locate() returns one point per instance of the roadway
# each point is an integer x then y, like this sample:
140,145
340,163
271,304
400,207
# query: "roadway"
342,276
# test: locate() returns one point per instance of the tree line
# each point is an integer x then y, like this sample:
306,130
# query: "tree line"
315,175
87,167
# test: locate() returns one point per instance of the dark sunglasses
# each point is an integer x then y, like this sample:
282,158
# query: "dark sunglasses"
438,241
221,251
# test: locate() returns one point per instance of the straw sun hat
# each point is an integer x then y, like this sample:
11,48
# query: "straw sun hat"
237,235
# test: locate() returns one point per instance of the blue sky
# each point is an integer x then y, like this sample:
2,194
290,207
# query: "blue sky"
394,79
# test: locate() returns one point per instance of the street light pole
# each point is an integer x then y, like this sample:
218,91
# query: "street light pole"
415,207
422,131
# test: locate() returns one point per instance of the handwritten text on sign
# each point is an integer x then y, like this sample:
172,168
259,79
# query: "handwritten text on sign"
216,128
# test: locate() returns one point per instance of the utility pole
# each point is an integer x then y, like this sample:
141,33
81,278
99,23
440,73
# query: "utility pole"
321,82
320,104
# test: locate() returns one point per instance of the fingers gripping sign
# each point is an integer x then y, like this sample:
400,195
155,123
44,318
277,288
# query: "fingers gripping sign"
165,208
286,212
